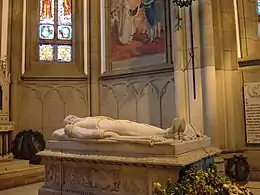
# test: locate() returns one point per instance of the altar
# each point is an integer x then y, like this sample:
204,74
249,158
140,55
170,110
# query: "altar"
108,167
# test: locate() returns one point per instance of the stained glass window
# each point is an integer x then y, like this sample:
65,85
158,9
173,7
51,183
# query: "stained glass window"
64,32
46,52
55,31
46,31
47,11
64,12
258,7
64,53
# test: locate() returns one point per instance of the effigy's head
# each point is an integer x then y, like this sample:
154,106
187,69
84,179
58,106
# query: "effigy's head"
71,120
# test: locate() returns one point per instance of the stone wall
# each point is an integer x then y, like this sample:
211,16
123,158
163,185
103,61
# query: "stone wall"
153,97
41,103
146,99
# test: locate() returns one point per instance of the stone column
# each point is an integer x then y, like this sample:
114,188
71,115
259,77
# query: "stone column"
208,56
195,105
16,56
94,59
229,78
5,145
180,72
218,83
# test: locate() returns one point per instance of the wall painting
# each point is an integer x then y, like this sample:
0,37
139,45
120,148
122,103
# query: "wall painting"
137,32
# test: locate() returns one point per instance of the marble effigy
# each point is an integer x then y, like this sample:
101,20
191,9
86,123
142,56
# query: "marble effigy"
100,127
118,165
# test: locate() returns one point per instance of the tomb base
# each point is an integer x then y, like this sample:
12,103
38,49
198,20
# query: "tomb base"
74,170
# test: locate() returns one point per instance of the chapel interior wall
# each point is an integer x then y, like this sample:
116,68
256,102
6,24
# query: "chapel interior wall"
229,80
237,77
145,99
42,104
150,98
219,101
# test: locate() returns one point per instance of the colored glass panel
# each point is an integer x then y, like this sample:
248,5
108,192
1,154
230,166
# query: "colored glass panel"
64,53
258,7
64,12
47,11
46,31
64,32
46,52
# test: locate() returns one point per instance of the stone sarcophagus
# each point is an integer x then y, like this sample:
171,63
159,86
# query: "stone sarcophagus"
109,167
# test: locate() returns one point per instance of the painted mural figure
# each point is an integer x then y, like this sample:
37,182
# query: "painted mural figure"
153,13
46,9
136,28
124,14
123,19
67,7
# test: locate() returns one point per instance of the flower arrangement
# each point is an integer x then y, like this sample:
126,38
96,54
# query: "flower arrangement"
195,181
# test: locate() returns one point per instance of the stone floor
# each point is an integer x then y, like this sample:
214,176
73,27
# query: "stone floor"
28,190
254,187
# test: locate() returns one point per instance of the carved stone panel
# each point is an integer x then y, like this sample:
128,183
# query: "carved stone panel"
112,180
53,176
145,99
90,178
43,107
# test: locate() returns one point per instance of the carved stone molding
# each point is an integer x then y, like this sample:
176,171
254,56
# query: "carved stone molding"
159,162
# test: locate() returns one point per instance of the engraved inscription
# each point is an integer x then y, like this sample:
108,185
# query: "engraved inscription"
252,112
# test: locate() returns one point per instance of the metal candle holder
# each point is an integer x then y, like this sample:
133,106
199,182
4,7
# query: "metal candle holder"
183,3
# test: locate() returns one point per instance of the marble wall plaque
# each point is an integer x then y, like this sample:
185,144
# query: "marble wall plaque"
252,112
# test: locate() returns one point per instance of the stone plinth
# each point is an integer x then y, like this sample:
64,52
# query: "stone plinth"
105,167
15,173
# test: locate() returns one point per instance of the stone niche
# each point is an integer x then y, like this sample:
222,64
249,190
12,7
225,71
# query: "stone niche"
6,126
114,168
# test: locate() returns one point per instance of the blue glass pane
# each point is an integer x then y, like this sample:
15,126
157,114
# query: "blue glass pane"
46,31
258,7
64,32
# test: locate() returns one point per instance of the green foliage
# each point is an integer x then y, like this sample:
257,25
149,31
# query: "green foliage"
198,182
